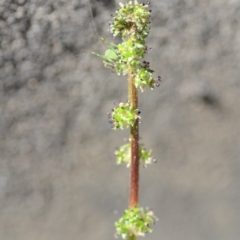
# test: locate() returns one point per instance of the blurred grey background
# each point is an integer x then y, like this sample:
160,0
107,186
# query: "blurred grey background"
58,178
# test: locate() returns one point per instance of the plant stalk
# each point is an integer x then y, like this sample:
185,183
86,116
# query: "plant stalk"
134,139
133,237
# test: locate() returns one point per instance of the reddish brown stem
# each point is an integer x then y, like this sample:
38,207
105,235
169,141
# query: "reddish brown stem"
134,138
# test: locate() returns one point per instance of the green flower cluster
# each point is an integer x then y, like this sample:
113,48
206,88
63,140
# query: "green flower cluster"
123,155
131,14
123,116
132,24
135,221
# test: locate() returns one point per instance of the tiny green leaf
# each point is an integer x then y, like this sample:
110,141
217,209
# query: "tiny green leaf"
110,55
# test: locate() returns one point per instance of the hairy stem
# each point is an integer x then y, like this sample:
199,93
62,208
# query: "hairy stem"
133,237
134,139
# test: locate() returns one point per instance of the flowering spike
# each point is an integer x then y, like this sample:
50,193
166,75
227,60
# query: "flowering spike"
131,23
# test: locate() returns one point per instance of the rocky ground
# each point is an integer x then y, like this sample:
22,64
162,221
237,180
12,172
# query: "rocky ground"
58,179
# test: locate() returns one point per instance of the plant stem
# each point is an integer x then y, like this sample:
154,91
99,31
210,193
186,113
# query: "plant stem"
134,139
133,237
